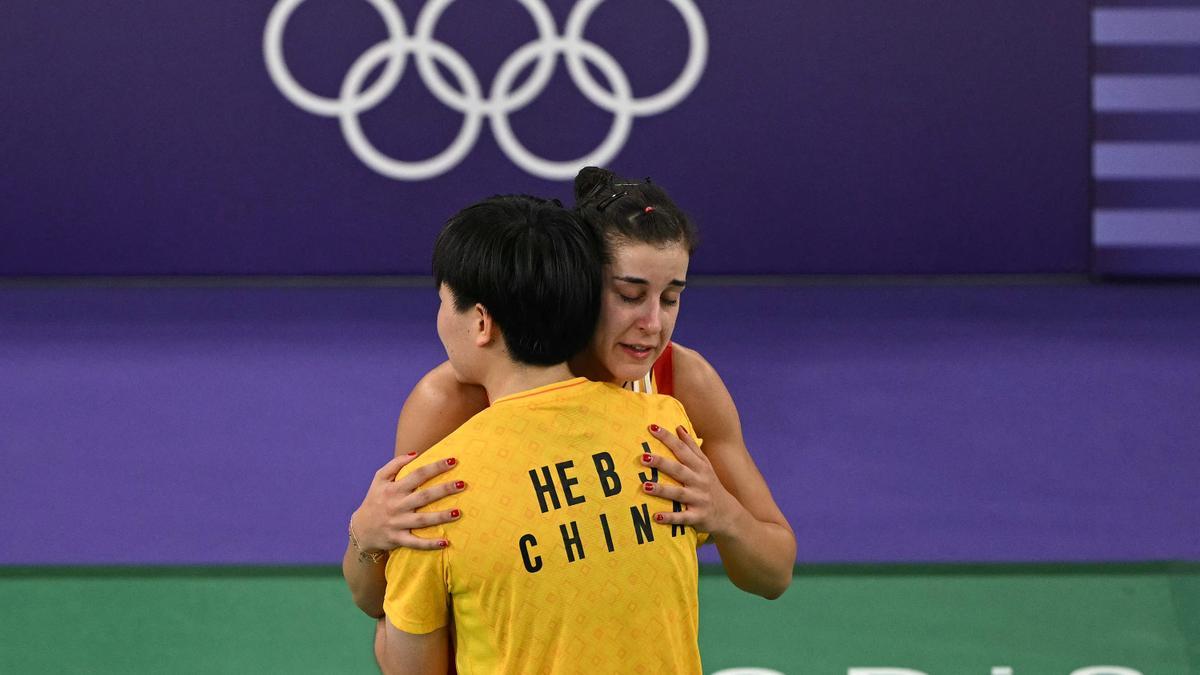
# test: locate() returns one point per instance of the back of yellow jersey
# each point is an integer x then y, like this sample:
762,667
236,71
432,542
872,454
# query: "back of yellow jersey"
557,564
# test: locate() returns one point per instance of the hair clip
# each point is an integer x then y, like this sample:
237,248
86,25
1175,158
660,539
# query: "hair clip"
604,203
648,209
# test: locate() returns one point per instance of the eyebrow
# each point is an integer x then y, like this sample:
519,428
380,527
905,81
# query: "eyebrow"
639,280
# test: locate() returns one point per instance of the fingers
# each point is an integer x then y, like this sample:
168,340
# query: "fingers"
681,444
672,492
409,540
414,521
424,473
431,494
387,472
676,518
670,467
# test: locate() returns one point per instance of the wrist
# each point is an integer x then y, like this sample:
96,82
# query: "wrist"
366,556
737,524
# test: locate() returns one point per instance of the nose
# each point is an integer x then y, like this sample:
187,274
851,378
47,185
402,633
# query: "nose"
651,319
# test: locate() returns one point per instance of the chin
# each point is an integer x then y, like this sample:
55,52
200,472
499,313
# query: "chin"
629,373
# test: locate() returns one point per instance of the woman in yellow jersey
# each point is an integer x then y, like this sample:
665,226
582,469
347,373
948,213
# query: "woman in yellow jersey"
650,242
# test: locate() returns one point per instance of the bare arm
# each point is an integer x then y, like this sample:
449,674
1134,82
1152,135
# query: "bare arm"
757,545
437,405
407,653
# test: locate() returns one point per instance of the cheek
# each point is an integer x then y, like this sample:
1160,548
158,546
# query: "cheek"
668,321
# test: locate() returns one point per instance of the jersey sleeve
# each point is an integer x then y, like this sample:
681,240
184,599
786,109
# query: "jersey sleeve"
416,600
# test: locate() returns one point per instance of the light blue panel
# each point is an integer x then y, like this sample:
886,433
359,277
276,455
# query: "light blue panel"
1146,227
1146,93
1145,26
1145,160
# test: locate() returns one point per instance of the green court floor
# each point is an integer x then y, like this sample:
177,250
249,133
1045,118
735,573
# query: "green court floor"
949,620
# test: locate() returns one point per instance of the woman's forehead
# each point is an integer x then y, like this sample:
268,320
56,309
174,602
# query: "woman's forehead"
639,259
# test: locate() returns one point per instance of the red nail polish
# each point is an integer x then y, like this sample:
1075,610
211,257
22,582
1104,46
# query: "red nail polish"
412,454
649,487
645,459
658,517
454,513
654,428
451,461
443,543
459,484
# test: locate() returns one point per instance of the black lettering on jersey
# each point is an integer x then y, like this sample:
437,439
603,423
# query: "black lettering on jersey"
567,482
606,471
641,523
531,565
543,489
572,542
653,477
676,529
607,533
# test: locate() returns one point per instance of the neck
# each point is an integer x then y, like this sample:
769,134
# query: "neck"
517,378
587,365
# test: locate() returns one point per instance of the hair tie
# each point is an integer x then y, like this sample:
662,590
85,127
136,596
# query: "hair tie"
648,209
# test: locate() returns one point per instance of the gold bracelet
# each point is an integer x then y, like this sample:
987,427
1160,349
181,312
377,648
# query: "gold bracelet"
364,557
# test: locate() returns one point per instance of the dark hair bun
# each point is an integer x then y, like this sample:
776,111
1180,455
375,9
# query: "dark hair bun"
589,178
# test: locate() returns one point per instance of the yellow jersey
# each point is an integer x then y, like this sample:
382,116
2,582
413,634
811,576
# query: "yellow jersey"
557,564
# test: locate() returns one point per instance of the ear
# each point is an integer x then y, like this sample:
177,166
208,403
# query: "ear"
483,326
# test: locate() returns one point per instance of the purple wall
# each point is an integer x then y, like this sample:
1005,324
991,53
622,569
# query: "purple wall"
893,424
823,137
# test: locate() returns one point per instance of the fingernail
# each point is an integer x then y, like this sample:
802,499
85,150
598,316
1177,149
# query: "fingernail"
451,462
412,454
649,487
443,543
645,459
658,517
454,513
682,430
654,428
460,484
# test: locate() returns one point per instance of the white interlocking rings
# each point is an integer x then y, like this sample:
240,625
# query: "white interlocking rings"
468,100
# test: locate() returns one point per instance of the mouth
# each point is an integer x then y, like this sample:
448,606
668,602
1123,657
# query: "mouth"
635,350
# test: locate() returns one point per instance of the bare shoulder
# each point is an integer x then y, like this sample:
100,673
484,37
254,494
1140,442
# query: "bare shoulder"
440,388
696,380
702,392
436,406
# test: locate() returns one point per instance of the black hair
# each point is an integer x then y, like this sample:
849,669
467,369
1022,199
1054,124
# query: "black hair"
534,265
638,211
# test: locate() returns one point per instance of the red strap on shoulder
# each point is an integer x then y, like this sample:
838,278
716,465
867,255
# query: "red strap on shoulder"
664,373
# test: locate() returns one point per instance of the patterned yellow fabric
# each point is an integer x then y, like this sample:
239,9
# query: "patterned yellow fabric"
557,565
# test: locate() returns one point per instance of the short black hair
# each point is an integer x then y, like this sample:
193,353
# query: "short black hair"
534,265
637,211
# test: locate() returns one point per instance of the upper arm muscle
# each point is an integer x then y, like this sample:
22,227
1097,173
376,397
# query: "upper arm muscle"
712,411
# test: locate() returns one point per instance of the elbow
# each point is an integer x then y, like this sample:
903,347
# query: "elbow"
774,588
768,587
776,591
370,603
369,606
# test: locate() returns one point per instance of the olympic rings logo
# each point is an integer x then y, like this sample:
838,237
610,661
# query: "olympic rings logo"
393,52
